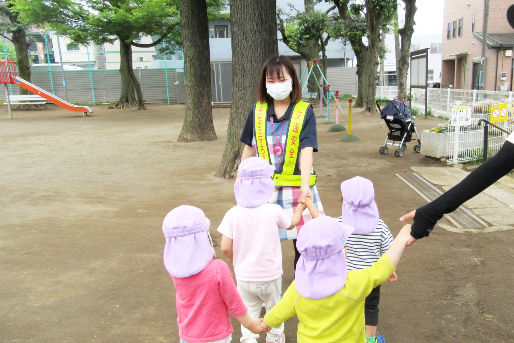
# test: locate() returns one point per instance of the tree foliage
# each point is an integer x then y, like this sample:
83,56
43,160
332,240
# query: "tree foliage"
12,29
361,22
307,33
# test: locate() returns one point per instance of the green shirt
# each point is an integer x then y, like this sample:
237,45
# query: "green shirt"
338,318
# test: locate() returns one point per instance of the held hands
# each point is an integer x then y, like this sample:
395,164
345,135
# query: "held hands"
257,326
306,193
406,218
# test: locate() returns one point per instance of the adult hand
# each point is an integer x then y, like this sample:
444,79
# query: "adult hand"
306,193
406,218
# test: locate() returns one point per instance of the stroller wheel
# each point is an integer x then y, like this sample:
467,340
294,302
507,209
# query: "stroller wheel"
383,150
398,153
404,146
417,148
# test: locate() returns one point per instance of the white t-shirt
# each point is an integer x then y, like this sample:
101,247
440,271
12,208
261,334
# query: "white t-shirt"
510,138
256,242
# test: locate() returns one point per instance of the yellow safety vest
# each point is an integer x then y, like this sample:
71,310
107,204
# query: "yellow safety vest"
287,177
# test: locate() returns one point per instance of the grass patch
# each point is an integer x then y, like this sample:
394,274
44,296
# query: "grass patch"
349,138
337,128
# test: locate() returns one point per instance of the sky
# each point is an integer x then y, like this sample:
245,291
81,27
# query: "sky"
429,17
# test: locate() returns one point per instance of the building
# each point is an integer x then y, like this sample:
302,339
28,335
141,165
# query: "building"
462,45
432,42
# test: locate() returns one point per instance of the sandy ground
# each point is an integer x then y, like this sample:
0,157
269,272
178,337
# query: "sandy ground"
81,207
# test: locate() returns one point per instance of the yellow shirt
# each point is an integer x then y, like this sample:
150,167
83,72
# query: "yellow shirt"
338,318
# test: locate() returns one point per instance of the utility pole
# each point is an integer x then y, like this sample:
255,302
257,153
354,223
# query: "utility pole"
484,45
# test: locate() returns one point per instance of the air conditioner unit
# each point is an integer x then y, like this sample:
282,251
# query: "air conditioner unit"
508,53
503,76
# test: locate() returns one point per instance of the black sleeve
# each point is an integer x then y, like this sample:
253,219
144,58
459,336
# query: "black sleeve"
309,136
247,134
478,180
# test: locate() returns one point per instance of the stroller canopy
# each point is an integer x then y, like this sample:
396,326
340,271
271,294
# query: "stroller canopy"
397,109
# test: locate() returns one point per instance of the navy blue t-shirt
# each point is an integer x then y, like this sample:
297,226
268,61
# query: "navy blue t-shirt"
308,135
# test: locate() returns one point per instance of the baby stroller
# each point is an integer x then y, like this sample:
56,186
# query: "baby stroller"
400,123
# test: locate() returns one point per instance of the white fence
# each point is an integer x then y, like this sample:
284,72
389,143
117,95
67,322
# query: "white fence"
441,100
465,143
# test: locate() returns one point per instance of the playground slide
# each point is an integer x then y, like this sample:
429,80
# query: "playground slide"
49,96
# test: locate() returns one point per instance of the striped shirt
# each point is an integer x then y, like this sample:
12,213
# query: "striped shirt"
364,250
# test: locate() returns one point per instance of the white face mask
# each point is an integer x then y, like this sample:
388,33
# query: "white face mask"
279,90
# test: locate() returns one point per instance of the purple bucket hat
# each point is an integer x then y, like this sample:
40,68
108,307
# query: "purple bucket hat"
359,208
321,268
254,186
188,248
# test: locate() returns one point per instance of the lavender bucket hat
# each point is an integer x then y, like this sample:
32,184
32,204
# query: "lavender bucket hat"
359,208
254,186
188,248
321,268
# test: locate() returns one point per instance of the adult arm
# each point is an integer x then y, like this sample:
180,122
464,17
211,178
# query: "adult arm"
305,171
308,145
248,151
482,177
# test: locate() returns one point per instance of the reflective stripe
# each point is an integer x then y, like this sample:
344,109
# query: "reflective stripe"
260,130
293,137
292,180
287,177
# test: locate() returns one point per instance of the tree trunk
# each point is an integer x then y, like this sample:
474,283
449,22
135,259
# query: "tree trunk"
19,38
131,93
374,20
254,40
403,61
198,124
361,76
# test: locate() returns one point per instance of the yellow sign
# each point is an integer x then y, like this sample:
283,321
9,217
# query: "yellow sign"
499,112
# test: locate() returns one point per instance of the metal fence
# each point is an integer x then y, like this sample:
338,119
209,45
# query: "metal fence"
466,143
441,100
103,86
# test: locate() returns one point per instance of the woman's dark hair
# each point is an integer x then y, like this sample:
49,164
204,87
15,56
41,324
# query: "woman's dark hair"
274,66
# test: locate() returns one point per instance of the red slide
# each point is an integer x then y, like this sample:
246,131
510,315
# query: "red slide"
49,96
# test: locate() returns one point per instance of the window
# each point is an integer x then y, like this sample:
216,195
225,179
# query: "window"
72,47
454,31
141,59
473,23
448,33
220,31
460,26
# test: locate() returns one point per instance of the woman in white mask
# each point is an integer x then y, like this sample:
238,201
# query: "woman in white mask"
282,129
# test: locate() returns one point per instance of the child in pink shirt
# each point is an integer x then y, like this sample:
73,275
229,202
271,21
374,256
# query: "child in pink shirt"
205,289
251,239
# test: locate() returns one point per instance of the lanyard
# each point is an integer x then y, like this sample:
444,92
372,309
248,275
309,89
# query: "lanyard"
277,149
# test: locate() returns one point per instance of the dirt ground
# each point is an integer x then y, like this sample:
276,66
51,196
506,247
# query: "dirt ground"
82,202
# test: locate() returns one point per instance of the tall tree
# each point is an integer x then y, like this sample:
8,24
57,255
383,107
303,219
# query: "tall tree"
198,124
15,31
102,22
254,40
307,33
365,21
405,33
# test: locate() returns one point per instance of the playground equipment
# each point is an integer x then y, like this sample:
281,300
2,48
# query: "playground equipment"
313,66
8,75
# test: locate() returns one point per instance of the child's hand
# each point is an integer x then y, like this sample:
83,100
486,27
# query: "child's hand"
393,277
404,234
266,327
257,326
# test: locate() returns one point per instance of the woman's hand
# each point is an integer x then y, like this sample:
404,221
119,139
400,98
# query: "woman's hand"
306,193
406,218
